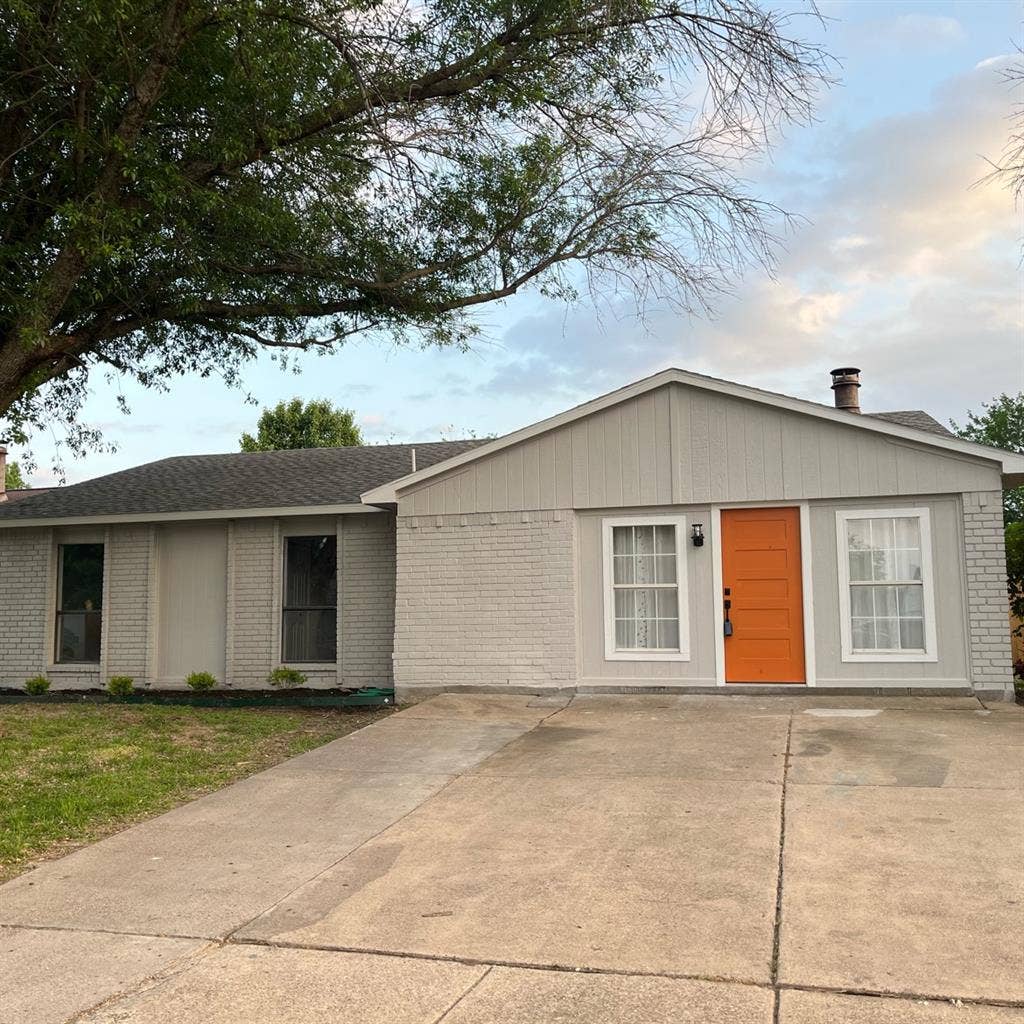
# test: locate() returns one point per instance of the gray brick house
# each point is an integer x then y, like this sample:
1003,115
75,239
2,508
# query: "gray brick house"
683,533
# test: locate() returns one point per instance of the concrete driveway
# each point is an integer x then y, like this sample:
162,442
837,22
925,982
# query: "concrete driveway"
644,860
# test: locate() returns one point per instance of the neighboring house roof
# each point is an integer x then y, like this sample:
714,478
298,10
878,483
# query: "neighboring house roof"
922,430
913,418
20,493
324,479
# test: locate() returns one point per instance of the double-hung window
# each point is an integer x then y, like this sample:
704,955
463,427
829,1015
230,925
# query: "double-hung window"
310,607
885,576
645,589
79,618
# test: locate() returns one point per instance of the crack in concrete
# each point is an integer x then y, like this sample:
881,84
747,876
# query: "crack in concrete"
179,965
472,988
777,930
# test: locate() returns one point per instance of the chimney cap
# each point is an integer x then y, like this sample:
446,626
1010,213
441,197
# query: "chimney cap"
845,371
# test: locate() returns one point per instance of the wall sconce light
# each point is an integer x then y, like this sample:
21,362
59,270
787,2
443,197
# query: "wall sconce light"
698,535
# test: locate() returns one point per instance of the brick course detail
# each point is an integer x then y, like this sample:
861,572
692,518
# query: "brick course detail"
486,600
24,560
984,545
130,609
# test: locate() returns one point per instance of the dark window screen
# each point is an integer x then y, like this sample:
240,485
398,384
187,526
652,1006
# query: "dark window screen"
310,599
80,602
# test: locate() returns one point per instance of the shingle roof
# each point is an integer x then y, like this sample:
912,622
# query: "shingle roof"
913,418
19,493
242,480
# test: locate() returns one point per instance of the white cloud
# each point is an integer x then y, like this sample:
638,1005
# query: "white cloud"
927,32
908,267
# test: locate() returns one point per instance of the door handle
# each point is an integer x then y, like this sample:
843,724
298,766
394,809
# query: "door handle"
726,606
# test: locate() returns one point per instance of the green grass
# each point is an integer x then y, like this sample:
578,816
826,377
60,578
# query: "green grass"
70,774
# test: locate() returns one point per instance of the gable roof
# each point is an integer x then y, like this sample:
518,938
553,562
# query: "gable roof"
223,486
909,426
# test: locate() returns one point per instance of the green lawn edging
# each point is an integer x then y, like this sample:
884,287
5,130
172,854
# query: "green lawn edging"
367,697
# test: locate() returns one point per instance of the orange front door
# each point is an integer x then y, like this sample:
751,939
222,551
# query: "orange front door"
761,578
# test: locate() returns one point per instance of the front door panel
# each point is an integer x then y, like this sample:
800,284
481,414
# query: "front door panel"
761,572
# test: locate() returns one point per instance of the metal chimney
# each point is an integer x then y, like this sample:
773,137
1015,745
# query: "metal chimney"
846,384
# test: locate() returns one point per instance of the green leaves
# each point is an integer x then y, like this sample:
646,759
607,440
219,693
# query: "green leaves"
1001,425
182,184
298,424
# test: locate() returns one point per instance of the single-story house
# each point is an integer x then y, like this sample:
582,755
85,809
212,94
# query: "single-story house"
681,533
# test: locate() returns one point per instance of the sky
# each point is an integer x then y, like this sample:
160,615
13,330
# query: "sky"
899,263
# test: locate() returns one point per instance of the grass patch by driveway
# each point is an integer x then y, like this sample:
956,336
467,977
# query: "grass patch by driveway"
70,774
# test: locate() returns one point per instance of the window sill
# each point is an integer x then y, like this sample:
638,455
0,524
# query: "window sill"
73,667
647,656
889,657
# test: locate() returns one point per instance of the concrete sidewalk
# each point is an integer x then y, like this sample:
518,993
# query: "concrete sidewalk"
629,859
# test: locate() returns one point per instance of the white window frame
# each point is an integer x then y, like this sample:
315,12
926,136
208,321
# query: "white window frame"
682,590
849,654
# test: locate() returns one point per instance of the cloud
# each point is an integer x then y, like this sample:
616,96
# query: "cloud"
907,266
927,32
451,385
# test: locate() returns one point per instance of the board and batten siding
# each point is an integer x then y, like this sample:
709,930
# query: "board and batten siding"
595,670
679,445
951,667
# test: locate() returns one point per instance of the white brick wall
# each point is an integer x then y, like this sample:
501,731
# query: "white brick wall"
366,591
486,600
253,629
129,553
27,594
24,557
366,615
989,631
367,595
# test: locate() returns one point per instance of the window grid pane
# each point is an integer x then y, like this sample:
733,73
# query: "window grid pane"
645,587
886,583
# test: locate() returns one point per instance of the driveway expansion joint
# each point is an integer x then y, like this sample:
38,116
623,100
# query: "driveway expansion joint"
523,965
916,997
81,929
776,987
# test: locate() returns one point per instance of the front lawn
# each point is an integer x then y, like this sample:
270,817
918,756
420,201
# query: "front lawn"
72,773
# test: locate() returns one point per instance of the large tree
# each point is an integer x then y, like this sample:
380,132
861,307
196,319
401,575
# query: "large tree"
1000,424
298,424
184,182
